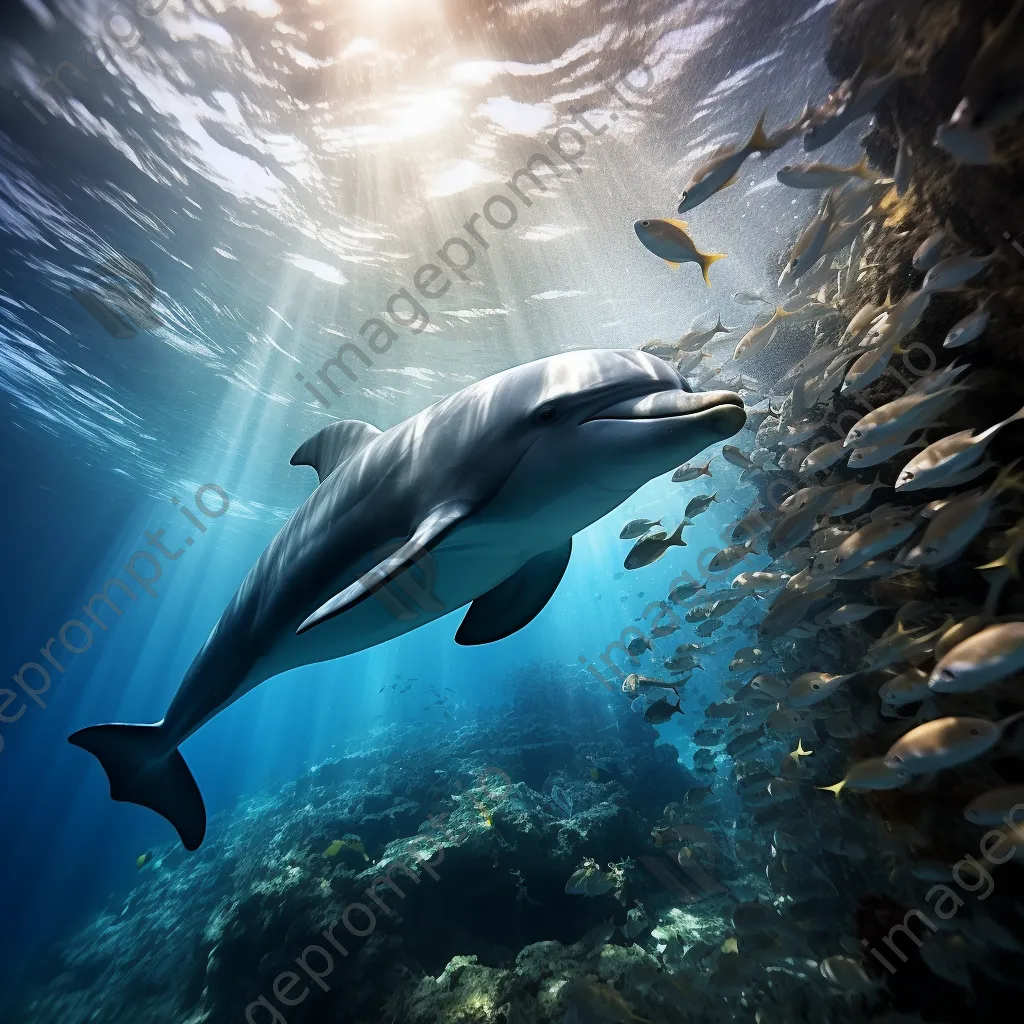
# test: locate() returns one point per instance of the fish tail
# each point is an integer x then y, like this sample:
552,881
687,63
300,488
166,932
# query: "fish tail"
676,539
1008,479
705,471
141,772
862,169
706,259
837,788
759,141
1006,561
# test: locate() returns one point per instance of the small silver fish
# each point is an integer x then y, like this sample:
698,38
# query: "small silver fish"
987,657
929,252
722,169
637,528
650,548
757,338
693,341
698,505
970,328
822,175
946,742
993,807
750,299
950,456
686,473
994,87
976,148
733,455
730,556
955,271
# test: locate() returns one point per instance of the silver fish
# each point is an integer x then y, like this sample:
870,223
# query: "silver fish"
970,328
946,742
722,169
733,455
686,473
987,657
955,271
929,253
637,528
650,548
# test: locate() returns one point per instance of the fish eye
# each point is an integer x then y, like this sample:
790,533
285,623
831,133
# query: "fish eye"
546,414
645,223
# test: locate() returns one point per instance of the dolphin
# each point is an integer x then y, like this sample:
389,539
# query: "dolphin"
474,500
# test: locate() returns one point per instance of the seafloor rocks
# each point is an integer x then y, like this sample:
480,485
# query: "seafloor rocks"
424,875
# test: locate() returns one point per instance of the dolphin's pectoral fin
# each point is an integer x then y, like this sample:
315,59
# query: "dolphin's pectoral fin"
428,535
329,448
511,605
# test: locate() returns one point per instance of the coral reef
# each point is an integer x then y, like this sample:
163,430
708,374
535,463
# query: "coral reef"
427,877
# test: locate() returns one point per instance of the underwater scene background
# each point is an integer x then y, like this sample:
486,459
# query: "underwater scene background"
216,220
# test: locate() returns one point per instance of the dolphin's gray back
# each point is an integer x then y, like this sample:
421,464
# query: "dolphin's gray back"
358,515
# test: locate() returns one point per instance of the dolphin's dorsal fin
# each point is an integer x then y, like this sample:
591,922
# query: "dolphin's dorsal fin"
511,605
430,532
329,448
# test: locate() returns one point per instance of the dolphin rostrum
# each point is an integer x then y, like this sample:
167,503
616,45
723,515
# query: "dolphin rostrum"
474,500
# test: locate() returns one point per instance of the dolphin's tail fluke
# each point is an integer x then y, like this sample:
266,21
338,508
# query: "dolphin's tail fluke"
140,773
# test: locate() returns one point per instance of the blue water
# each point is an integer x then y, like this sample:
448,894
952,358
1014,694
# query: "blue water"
272,232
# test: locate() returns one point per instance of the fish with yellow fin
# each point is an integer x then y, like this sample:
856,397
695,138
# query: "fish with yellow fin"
872,774
795,755
346,844
722,168
669,239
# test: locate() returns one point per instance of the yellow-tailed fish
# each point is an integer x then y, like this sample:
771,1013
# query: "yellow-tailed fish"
668,238
722,169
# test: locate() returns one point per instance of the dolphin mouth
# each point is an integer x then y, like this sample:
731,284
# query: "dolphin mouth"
672,404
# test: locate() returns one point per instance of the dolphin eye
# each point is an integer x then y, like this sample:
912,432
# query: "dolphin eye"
815,686
895,758
545,414
975,732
